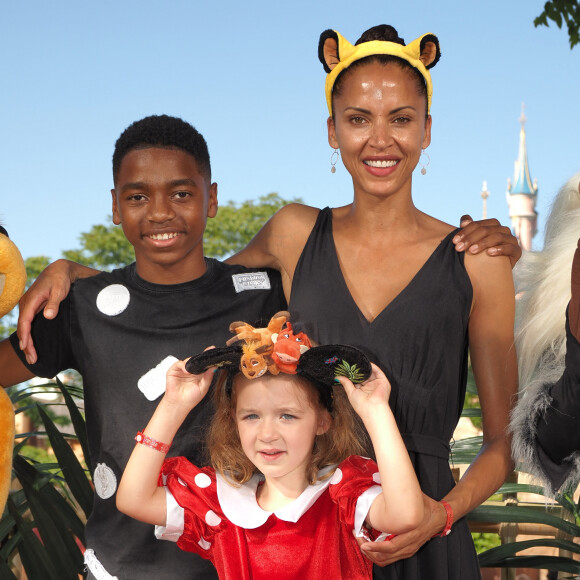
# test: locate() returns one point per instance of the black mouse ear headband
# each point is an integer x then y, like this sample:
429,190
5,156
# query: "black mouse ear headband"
321,365
336,54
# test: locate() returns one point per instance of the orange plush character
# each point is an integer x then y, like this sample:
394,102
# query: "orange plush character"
256,358
12,283
288,347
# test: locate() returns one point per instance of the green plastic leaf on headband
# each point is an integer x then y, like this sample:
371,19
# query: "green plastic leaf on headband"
352,372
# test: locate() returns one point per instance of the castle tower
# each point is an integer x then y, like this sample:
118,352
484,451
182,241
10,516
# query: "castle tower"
522,195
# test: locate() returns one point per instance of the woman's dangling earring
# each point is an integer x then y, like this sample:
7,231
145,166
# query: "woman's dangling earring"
334,160
424,165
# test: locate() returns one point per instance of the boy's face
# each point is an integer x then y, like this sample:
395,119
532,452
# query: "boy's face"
162,201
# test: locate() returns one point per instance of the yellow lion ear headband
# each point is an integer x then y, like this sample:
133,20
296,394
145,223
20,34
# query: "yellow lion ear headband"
337,54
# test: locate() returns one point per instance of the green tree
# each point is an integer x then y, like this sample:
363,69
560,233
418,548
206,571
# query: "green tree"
104,247
34,266
237,223
560,11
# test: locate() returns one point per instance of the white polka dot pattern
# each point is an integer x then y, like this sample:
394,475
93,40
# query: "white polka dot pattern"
212,519
377,478
204,544
202,480
113,299
105,481
181,482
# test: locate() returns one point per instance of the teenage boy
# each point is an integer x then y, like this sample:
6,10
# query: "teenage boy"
122,330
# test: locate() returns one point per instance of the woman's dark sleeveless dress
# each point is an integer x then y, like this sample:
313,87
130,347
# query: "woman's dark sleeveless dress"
420,341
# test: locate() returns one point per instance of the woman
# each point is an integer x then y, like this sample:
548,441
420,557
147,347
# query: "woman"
383,275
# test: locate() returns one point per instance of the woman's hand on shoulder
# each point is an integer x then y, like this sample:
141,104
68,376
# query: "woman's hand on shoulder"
47,292
478,236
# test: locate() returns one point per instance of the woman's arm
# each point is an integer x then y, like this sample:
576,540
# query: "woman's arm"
495,369
138,495
48,291
280,242
399,508
494,365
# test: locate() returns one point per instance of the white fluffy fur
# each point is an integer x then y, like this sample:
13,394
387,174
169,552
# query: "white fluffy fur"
543,282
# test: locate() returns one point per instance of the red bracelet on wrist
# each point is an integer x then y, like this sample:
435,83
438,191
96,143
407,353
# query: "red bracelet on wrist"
449,522
150,442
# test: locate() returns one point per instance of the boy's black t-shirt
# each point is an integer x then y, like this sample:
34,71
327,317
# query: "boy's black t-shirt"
121,333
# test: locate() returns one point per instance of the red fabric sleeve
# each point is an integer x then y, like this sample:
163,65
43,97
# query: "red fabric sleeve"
194,489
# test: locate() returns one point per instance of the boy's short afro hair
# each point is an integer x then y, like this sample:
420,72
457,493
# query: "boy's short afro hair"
166,132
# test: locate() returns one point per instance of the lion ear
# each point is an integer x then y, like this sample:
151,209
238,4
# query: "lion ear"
328,50
429,52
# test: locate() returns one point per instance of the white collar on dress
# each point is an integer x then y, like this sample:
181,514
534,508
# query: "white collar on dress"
240,505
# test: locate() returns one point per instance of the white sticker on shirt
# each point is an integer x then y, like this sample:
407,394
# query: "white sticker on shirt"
113,299
105,481
152,383
251,281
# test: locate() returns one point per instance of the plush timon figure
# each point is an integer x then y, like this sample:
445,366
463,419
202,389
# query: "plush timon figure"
12,282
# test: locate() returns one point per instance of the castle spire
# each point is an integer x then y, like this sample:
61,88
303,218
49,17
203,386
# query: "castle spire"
522,194
522,182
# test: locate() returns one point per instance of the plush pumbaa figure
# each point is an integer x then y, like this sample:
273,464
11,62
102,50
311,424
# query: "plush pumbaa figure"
288,347
12,283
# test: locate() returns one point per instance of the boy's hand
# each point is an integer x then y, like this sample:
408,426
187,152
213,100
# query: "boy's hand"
185,389
489,234
574,310
48,291
369,395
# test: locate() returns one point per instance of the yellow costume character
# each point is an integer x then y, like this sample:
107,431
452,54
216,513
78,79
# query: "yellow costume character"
12,283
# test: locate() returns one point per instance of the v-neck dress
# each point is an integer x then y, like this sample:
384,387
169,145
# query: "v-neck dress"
420,341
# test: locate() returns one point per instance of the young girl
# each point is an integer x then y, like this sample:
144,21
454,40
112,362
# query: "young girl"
275,502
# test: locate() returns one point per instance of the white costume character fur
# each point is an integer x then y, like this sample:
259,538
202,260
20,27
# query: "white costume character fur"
543,279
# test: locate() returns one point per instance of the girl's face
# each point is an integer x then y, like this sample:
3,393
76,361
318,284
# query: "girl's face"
277,424
380,127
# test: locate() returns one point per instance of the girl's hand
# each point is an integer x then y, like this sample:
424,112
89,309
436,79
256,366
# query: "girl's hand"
369,395
186,389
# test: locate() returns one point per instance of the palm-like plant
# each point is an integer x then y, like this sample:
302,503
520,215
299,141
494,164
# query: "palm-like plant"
563,516
43,523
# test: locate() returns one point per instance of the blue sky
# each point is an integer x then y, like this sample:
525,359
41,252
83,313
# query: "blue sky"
75,74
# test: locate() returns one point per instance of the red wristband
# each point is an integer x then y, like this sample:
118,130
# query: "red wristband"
449,522
150,442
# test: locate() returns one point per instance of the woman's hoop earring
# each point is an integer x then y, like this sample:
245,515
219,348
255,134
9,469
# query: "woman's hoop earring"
424,165
334,160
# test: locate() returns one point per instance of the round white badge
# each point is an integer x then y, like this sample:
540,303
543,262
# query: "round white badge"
105,481
113,299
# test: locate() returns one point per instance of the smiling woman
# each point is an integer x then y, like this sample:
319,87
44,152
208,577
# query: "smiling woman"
386,277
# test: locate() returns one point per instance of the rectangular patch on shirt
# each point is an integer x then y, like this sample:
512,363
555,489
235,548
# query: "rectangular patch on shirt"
251,281
152,383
